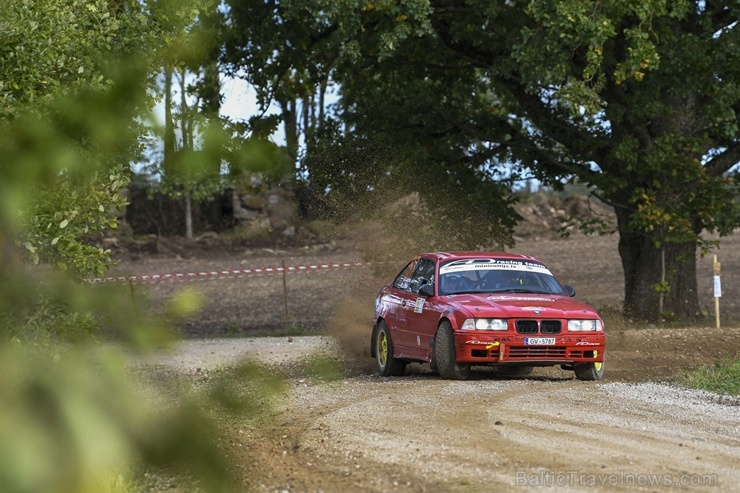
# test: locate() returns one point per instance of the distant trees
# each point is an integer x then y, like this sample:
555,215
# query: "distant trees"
287,51
189,67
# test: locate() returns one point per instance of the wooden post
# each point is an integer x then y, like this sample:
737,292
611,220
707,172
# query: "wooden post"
133,297
661,298
717,289
285,295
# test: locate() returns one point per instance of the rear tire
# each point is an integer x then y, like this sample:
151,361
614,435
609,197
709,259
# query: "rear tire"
589,371
387,365
444,355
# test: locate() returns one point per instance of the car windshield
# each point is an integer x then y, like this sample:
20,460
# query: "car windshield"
495,275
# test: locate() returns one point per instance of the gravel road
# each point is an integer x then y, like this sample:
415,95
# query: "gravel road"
209,354
420,433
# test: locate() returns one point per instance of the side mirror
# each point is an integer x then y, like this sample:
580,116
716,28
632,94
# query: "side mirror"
426,290
569,290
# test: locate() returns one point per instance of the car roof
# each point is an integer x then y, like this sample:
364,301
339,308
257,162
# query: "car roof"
477,254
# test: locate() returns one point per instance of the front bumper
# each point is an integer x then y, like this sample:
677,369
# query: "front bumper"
488,348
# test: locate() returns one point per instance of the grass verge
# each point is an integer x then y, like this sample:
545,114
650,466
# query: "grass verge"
721,377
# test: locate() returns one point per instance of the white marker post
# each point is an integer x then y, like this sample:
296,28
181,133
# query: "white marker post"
717,289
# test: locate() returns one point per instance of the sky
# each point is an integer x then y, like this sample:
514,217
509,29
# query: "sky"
240,99
240,103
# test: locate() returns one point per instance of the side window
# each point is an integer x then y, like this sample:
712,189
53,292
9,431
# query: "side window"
403,279
423,274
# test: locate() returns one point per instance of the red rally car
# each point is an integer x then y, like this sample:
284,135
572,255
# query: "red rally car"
455,310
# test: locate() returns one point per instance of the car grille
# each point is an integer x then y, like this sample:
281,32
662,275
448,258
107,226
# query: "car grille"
529,352
550,326
534,327
526,326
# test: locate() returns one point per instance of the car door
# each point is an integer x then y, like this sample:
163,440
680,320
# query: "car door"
396,300
422,318
416,307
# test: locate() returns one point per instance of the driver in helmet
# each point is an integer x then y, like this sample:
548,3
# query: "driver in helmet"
451,283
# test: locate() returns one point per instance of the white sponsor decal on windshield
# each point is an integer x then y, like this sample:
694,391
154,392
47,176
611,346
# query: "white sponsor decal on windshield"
493,264
518,298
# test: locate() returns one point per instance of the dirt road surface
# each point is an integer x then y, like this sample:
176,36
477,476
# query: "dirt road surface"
547,432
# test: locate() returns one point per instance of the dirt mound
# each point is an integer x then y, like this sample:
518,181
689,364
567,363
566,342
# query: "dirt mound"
547,216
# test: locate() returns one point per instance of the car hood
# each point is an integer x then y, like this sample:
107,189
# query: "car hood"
521,305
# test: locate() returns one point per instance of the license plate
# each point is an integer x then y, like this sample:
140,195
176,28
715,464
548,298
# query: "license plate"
540,341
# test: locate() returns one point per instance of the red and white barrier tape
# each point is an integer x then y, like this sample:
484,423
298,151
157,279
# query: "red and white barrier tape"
225,274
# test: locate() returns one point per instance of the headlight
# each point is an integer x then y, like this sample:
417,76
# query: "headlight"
584,325
485,324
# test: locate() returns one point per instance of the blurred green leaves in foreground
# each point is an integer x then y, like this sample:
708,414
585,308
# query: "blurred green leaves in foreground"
75,415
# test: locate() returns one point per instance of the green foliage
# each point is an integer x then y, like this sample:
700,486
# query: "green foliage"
82,422
249,157
286,51
193,172
71,213
48,47
64,170
73,98
194,161
722,377
256,37
662,287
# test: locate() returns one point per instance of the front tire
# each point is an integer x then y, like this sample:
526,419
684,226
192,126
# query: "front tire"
387,365
444,355
589,371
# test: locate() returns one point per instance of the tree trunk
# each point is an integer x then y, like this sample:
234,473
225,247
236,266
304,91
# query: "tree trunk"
188,215
290,123
642,265
169,125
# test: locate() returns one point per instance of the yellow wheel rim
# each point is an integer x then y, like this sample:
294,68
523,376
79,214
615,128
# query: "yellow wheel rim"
597,366
382,349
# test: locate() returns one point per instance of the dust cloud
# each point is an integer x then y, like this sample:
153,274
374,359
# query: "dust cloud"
387,231
386,238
